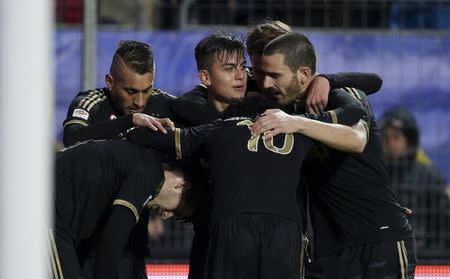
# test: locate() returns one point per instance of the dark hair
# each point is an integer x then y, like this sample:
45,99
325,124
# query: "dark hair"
402,119
261,34
223,46
251,107
298,51
138,56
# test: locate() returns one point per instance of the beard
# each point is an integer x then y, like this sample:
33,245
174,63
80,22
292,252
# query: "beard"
293,91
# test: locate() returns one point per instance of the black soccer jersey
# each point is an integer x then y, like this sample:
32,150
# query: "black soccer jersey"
351,199
249,175
92,177
90,114
193,109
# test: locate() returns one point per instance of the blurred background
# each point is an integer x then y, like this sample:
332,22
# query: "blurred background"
407,43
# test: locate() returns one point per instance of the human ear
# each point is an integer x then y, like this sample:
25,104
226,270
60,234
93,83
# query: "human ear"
304,75
204,77
109,80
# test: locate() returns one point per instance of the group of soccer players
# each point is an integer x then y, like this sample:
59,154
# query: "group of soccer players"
278,148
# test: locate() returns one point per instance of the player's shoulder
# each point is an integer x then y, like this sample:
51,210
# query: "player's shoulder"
354,92
158,93
198,90
86,100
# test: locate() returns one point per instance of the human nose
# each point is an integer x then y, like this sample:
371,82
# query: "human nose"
240,73
139,100
267,82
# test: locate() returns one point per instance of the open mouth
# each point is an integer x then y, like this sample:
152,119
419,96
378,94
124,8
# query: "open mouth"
239,88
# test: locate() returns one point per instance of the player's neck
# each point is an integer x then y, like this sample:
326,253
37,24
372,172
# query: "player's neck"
219,105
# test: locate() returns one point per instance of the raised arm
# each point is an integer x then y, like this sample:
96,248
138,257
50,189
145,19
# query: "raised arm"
321,85
343,108
367,82
340,137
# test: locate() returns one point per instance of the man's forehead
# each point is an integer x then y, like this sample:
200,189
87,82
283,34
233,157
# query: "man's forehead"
124,72
230,57
275,61
137,81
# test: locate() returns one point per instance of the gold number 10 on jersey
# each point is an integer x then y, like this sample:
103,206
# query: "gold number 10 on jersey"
252,143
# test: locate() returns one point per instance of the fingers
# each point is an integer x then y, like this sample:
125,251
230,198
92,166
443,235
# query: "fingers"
168,123
270,111
314,104
159,126
149,124
408,211
317,98
310,104
270,134
161,123
143,120
262,125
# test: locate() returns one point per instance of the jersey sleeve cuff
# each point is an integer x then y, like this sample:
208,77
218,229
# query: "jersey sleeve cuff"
128,205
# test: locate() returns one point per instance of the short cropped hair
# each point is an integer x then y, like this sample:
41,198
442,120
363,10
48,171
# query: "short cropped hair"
261,34
222,46
137,56
297,49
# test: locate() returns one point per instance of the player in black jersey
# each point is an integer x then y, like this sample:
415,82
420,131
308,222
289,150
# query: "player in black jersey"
221,68
222,72
360,229
317,93
128,99
194,106
106,113
220,91
253,215
100,190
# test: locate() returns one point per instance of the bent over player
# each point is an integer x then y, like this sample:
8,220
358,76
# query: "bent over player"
100,189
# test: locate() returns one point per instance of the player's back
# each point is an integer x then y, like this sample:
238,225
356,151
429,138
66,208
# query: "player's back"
252,175
87,176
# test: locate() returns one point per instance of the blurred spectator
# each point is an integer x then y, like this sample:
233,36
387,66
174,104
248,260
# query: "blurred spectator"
420,14
418,184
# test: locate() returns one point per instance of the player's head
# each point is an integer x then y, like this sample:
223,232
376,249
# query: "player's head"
169,196
400,134
130,78
257,39
221,66
289,64
251,106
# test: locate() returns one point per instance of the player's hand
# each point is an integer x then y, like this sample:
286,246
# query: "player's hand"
144,120
317,97
273,122
408,211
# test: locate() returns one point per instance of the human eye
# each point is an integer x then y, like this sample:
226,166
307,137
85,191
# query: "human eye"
130,91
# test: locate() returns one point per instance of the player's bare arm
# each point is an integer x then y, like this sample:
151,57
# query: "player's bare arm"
340,137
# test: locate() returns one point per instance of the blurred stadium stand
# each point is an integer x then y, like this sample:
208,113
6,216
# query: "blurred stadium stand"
406,42
354,14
